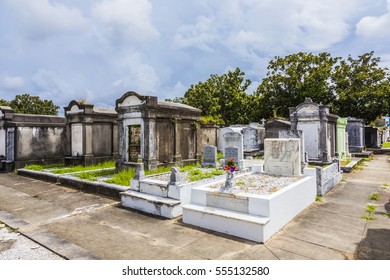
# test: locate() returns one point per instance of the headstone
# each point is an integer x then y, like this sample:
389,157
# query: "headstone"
209,156
224,130
251,139
234,139
175,176
282,157
231,152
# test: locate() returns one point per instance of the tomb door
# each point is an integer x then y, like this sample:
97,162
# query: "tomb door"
134,143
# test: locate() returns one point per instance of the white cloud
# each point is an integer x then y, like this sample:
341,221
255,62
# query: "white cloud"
126,20
51,86
375,26
135,74
200,35
14,83
42,18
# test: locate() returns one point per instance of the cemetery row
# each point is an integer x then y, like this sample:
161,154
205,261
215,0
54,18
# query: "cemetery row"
164,133
253,199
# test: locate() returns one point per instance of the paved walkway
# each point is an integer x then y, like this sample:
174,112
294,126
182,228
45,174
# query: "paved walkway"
77,225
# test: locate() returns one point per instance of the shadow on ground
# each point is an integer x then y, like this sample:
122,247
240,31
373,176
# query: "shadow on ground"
376,245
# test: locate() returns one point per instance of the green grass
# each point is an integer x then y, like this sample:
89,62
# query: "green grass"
219,155
374,196
93,176
368,218
122,178
42,167
80,168
386,145
370,209
319,198
161,169
197,174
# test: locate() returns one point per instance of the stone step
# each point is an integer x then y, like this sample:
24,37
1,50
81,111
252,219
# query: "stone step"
239,224
152,204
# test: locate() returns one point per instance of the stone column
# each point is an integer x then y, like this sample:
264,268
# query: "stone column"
150,143
176,141
87,141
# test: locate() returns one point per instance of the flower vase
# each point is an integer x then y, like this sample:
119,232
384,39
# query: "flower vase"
229,183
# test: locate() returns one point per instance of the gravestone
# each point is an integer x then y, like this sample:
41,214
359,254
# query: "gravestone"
175,177
251,139
234,139
231,153
282,157
223,131
209,156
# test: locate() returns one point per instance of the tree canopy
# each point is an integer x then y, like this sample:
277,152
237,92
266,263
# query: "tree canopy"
222,97
28,104
356,87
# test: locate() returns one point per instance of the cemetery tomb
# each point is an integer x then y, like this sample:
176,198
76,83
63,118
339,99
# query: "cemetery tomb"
260,208
355,131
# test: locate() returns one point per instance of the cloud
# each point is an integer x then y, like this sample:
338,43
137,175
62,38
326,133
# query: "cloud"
49,85
41,18
125,20
14,83
375,26
135,74
200,35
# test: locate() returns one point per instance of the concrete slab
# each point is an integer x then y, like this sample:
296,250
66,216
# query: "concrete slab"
88,226
302,248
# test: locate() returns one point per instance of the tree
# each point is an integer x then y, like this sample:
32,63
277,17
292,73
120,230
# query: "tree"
353,87
362,88
28,104
292,78
4,102
223,97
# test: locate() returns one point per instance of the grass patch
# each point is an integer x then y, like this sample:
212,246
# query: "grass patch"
93,176
368,218
80,168
374,196
160,169
385,185
370,209
219,156
319,198
196,174
345,162
122,178
42,167
386,145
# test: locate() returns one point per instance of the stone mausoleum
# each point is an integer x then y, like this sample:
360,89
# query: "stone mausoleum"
92,133
319,128
157,132
30,139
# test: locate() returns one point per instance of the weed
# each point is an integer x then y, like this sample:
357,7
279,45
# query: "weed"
368,218
368,159
370,209
197,174
385,185
387,214
160,169
375,196
122,178
93,176
386,145
344,180
219,155
239,183
319,198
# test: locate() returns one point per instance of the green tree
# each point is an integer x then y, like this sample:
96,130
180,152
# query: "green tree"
362,88
4,102
28,104
223,97
292,78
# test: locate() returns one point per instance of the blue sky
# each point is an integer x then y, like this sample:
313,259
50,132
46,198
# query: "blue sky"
99,49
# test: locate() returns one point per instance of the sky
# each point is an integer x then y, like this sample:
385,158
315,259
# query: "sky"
100,49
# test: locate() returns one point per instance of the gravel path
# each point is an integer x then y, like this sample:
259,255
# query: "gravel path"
14,246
